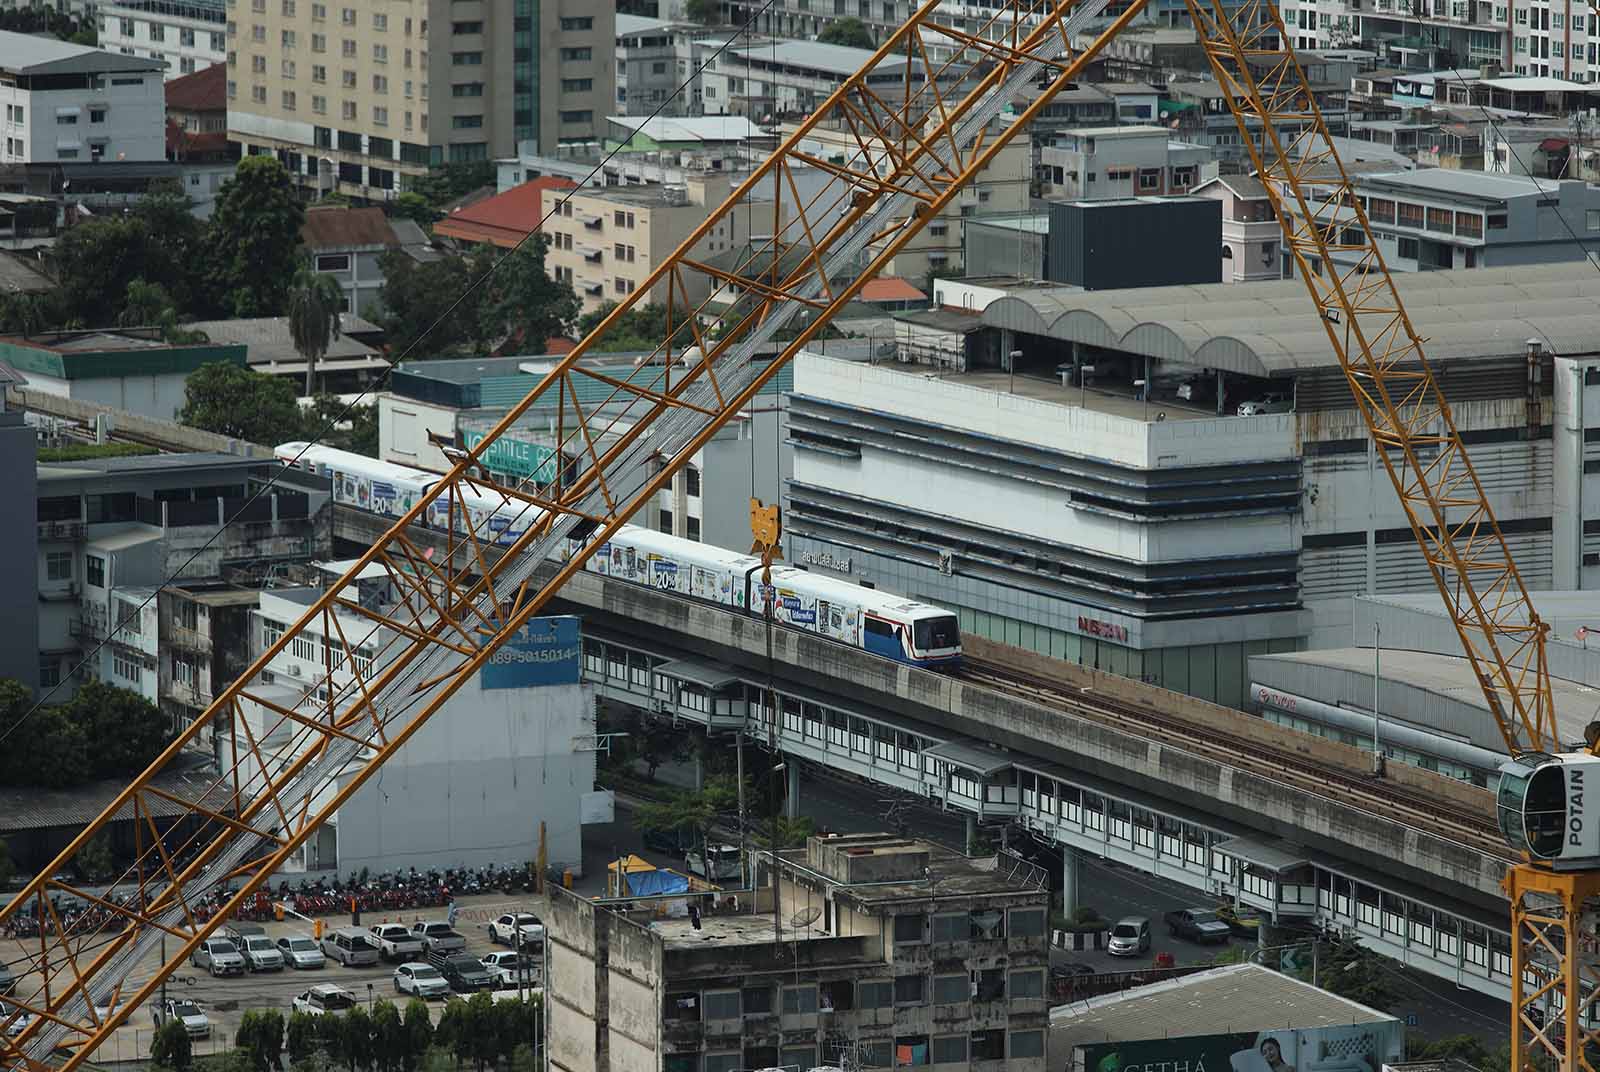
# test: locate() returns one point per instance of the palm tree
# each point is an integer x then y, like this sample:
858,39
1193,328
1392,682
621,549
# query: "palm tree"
314,302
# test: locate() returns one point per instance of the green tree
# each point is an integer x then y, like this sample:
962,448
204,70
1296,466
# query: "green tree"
52,754
95,262
1354,973
445,184
483,1041
344,426
419,1033
425,307
170,1048
705,12
641,328
241,402
389,1040
454,1030
95,860
301,1038
314,304
524,305
333,1038
358,1041
253,240
848,31
128,731
792,833
260,1036
413,206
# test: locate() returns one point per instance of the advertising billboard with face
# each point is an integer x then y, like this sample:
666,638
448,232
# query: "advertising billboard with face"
1346,1048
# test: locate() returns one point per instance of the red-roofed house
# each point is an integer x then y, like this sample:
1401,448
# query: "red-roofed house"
505,219
197,134
892,294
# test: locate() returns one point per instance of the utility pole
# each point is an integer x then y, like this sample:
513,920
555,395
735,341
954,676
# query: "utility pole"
1377,744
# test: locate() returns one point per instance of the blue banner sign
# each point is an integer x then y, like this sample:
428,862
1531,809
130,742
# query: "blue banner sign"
546,651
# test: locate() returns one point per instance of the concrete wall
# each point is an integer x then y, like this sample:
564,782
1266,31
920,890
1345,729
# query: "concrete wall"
167,434
635,988
474,783
572,993
156,396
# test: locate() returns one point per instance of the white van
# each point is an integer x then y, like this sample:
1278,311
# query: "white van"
350,946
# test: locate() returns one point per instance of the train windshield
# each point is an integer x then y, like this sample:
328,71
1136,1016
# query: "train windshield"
933,633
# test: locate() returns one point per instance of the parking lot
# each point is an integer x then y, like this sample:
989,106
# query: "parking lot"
224,1000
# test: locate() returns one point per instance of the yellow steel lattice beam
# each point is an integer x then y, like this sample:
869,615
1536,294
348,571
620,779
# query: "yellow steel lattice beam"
1326,231
289,766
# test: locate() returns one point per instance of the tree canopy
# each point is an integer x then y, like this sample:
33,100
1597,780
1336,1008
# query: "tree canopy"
235,401
254,239
53,752
641,328
847,31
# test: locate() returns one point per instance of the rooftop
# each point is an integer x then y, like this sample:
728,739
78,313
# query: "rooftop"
1271,329
1448,676
32,808
18,277
663,128
149,463
834,59
339,227
504,219
1117,132
889,288
1536,84
31,54
1095,400
885,868
1027,222
205,90
627,25
725,931
1236,998
1246,186
1479,184
267,340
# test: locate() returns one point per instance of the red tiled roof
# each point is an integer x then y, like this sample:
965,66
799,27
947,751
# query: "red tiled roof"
505,219
338,227
202,91
185,145
890,288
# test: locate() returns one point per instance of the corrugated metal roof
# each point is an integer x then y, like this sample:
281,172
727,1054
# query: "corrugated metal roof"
1270,328
32,808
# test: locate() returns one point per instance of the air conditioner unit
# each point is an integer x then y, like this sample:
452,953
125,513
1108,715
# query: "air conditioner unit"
294,670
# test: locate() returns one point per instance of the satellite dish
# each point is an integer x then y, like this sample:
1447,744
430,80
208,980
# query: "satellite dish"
805,917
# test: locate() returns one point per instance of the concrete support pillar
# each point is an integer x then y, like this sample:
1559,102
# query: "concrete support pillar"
699,769
972,834
791,805
1070,865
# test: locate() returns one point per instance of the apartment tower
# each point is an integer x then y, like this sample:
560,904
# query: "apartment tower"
361,98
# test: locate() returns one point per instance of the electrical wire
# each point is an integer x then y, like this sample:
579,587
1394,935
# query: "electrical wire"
472,287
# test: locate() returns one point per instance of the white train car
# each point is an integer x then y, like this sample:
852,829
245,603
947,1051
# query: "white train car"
880,622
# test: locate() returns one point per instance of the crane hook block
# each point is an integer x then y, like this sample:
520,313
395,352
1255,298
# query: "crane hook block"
766,530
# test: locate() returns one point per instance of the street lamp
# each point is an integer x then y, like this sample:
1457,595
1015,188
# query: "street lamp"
1015,356
1084,372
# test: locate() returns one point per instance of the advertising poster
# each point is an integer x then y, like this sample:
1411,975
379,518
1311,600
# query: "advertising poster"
546,651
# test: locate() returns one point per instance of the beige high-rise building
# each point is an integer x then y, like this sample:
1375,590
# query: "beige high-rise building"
361,97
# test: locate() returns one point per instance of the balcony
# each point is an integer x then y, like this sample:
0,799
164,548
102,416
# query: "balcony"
187,639
60,530
185,694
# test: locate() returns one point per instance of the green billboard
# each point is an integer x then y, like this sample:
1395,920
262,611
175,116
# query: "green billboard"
516,457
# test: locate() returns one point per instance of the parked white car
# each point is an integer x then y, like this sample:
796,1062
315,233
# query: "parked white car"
423,980
301,953
438,936
260,955
397,942
1255,407
185,1012
324,998
503,931
505,967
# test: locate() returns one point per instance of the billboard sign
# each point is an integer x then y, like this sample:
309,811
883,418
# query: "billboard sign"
546,651
516,457
1346,1048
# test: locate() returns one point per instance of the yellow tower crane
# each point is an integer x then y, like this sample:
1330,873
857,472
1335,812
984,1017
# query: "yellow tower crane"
916,142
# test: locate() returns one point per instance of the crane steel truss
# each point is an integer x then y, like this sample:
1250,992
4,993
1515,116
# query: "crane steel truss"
290,765
1326,230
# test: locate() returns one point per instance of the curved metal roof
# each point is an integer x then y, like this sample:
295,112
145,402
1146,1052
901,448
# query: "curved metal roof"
1272,329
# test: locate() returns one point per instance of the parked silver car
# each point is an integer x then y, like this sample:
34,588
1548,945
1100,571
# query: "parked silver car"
219,956
1130,937
300,952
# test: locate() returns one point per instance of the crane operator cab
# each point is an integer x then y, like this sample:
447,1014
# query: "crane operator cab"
1549,807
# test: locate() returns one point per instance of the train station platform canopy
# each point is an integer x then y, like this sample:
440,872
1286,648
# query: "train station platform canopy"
1271,329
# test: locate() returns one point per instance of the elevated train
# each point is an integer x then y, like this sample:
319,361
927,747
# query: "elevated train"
879,622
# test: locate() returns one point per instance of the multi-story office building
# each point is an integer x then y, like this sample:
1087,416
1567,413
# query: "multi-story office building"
655,57
362,100
185,35
880,952
1101,162
66,102
792,78
1176,538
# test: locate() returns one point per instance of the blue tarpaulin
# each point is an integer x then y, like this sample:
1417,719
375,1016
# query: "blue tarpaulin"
650,883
